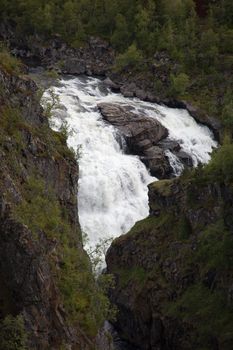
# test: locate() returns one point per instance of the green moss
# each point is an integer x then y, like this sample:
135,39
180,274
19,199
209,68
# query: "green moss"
164,187
40,210
184,228
84,299
137,275
11,125
215,248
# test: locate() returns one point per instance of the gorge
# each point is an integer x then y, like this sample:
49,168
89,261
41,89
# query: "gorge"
116,129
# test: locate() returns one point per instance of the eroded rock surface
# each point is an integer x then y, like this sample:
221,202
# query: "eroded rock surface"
142,134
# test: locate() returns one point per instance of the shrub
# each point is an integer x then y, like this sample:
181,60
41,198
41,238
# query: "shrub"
179,84
12,334
221,166
131,58
9,63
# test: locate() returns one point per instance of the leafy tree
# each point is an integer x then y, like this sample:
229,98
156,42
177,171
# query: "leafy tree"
131,59
120,38
179,84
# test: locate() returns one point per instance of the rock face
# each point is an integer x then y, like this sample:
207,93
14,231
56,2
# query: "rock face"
141,134
29,262
94,58
173,278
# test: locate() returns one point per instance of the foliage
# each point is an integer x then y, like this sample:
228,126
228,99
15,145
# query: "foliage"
50,102
179,84
130,59
221,165
8,62
12,333
207,309
85,299
184,228
199,45
40,210
11,125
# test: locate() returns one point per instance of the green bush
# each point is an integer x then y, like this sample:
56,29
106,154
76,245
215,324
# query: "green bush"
12,334
179,84
9,63
131,59
221,166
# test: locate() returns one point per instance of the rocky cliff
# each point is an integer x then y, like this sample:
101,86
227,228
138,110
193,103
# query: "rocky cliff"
44,271
173,270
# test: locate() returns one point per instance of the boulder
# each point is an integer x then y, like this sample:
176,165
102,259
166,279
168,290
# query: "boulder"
128,90
141,94
142,134
111,85
169,145
136,128
185,158
156,160
74,66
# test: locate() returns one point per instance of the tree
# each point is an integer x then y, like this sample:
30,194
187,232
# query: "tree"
179,84
120,38
131,58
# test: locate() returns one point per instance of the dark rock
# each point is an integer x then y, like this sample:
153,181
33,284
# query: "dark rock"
201,117
141,94
162,267
29,261
128,90
74,66
185,158
134,127
157,162
141,134
170,145
111,85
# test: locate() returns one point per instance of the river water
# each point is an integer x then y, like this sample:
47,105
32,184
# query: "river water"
113,192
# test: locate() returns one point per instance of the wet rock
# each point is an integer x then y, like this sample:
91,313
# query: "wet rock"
141,134
170,145
111,85
128,90
134,126
185,158
201,117
156,160
141,94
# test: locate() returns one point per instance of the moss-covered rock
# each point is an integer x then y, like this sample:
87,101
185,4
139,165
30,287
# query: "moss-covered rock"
174,270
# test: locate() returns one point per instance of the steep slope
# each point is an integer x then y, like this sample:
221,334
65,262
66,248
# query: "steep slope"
174,271
44,272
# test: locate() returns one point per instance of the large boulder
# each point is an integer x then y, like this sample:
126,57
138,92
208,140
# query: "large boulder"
142,134
74,66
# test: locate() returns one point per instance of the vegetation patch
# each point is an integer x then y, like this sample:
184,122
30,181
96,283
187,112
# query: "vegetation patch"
8,62
13,334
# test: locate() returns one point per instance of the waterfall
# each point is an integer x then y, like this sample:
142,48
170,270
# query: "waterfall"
113,192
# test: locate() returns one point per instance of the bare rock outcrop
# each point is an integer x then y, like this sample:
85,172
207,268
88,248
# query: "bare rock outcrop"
142,134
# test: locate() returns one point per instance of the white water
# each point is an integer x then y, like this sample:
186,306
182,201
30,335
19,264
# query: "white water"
113,192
